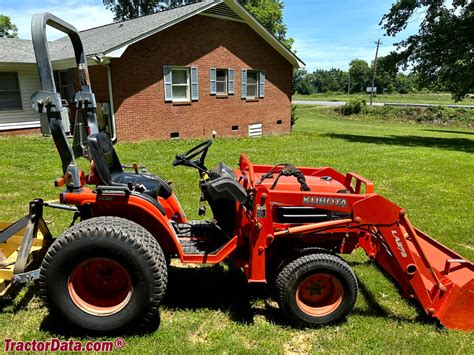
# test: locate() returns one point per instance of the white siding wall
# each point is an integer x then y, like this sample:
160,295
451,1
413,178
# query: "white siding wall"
29,83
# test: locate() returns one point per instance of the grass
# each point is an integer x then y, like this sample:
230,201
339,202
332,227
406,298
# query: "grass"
425,169
415,98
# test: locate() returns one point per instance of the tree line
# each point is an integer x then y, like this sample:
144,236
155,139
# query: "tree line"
358,78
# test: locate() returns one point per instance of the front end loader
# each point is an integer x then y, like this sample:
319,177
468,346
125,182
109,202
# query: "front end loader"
281,224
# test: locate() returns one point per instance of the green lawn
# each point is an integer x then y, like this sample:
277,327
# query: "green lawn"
426,169
416,98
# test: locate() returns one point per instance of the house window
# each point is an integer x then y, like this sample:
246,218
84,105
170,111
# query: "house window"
221,81
64,84
180,84
252,84
10,95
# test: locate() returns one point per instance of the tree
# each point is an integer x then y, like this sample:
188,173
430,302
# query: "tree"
301,82
128,9
7,28
442,52
270,14
360,72
386,73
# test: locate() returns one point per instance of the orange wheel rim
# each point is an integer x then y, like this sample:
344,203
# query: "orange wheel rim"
100,286
319,294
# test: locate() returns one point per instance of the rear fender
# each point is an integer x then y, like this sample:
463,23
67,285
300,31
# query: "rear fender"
132,207
173,209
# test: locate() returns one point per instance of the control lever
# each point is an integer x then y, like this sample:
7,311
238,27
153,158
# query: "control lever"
202,208
202,211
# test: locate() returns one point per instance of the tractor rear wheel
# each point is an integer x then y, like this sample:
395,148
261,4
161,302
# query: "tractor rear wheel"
316,289
103,274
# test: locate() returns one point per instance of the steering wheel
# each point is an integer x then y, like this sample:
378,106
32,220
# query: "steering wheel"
188,158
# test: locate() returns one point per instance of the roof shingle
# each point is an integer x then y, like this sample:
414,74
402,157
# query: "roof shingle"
99,39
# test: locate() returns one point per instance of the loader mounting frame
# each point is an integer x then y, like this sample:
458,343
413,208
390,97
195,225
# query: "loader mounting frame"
22,247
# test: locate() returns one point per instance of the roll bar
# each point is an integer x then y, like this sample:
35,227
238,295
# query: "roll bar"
49,100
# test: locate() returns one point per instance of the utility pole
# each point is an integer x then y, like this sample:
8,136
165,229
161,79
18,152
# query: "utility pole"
349,83
378,43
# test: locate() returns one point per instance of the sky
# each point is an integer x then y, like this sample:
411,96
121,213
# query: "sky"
327,33
331,33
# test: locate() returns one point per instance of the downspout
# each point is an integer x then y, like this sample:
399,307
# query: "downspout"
111,100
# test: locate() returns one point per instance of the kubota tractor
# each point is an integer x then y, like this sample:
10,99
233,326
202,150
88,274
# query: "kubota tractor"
281,224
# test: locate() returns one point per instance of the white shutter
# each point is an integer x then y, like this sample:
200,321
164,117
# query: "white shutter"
244,83
261,91
167,82
231,74
194,84
212,76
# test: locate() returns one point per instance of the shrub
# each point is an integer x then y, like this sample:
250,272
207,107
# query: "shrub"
436,115
351,107
294,115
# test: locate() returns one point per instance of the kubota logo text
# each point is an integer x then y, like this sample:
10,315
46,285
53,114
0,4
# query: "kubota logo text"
399,244
324,201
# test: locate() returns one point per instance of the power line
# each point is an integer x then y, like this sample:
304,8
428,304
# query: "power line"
378,43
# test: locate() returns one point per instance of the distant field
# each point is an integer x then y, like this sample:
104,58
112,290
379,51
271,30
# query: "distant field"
419,98
426,169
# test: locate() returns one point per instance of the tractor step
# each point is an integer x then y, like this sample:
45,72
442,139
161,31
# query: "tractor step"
200,237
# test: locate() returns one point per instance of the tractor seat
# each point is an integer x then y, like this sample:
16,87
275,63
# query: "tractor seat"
110,171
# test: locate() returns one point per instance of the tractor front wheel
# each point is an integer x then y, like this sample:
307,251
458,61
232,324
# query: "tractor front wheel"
316,289
104,274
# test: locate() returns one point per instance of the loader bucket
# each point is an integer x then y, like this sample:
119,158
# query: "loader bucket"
453,304
458,312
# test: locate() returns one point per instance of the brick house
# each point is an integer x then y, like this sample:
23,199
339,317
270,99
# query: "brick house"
198,70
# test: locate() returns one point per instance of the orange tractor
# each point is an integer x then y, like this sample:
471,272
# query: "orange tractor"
281,224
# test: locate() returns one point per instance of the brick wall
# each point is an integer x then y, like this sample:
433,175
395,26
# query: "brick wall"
21,132
141,110
100,87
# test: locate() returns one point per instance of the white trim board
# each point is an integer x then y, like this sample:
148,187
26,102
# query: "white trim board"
19,125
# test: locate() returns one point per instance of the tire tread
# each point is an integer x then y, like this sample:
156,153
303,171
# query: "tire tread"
283,281
123,230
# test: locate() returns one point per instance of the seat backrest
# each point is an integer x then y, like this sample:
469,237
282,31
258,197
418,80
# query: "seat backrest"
106,161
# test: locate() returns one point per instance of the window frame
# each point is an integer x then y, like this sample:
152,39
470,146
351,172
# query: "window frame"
226,82
18,91
257,84
67,89
187,84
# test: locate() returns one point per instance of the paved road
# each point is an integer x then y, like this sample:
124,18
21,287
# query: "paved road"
326,103
340,103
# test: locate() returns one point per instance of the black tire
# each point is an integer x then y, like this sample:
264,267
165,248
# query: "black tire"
122,242
338,280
